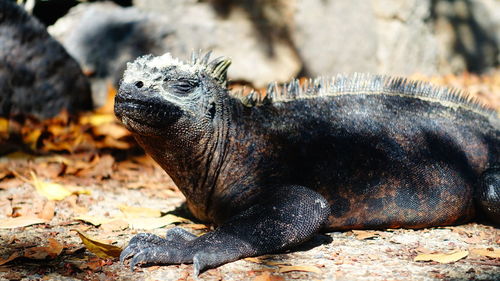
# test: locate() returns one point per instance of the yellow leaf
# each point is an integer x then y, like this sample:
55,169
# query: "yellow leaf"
111,129
196,226
99,248
152,223
32,138
306,268
4,126
487,252
97,119
94,220
20,222
139,212
54,191
442,258
254,260
18,155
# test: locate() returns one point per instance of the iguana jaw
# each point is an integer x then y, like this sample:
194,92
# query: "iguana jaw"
143,114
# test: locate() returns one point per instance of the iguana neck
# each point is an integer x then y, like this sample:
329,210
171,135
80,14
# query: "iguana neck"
193,161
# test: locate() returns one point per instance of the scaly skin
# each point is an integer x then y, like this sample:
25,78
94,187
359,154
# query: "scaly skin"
349,153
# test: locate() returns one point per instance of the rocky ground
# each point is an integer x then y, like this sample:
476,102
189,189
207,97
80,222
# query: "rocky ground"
351,255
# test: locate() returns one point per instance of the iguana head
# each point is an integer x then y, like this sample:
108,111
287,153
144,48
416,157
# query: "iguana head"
162,95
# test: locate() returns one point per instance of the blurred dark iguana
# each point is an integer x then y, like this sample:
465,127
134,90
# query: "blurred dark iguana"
349,152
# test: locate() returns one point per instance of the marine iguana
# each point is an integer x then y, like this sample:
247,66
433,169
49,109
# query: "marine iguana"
348,152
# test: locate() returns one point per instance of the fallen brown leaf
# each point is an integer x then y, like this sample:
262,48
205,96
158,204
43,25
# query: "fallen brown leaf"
48,210
100,249
108,106
139,212
112,129
305,268
20,222
51,251
487,252
253,259
94,220
196,226
114,225
102,167
442,258
12,257
152,223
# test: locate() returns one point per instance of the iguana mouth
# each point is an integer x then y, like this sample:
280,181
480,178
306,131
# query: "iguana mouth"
151,112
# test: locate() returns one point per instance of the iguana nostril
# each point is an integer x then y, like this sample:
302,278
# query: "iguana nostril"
139,84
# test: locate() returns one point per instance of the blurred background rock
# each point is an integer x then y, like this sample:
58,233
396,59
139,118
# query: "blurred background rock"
276,40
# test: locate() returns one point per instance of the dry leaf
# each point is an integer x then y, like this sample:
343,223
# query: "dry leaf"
100,249
4,127
110,142
487,252
31,138
442,258
305,268
50,190
48,210
12,257
54,191
94,220
108,106
254,260
103,167
152,223
278,263
51,251
139,212
363,234
113,130
20,222
195,226
114,225
267,276
97,119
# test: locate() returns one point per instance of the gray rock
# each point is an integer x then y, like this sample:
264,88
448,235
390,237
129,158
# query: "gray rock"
104,36
385,36
335,36
37,76
397,36
469,34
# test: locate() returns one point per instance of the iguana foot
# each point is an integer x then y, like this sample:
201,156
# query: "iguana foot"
488,193
147,248
285,217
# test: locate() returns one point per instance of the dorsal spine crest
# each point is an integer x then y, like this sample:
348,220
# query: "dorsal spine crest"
359,83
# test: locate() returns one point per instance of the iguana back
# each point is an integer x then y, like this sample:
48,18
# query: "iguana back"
384,151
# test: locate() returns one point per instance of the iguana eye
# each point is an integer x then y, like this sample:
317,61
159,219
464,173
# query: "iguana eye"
183,86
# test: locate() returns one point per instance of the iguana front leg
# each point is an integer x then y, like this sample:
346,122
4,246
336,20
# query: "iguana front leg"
285,217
